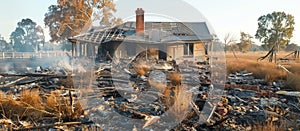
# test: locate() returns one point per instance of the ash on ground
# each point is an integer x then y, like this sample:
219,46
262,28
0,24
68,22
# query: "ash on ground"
139,94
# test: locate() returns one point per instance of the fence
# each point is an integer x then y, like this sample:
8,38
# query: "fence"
26,55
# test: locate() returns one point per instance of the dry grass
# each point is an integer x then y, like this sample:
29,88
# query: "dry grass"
61,105
170,94
293,82
264,69
141,69
153,52
175,97
25,107
31,106
32,98
33,101
181,103
175,78
294,68
10,107
261,69
171,90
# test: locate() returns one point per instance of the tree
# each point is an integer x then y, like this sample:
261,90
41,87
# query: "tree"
274,30
4,46
229,39
40,41
229,42
17,39
70,17
27,36
245,42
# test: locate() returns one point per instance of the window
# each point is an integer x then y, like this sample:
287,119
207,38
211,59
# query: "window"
188,49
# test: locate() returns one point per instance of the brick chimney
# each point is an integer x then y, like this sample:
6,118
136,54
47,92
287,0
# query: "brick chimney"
140,23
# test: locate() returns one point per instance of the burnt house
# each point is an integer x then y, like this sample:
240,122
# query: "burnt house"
181,41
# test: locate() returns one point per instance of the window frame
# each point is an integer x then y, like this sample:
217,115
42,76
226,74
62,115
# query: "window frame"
188,49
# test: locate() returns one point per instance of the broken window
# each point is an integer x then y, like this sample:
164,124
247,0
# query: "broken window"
188,49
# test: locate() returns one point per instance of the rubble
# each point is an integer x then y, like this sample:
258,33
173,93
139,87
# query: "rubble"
39,98
248,101
253,102
146,90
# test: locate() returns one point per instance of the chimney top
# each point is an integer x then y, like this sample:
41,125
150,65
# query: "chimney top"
139,11
140,24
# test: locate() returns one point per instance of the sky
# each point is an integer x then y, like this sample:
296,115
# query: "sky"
231,16
13,11
234,16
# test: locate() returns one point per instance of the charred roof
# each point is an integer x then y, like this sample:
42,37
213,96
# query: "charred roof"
154,32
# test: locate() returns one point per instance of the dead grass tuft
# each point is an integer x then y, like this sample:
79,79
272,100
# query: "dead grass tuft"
30,105
61,105
32,102
182,99
293,82
52,102
10,107
170,94
175,78
294,68
141,69
152,51
32,98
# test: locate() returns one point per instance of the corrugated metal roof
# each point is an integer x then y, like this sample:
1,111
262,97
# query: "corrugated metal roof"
200,29
154,31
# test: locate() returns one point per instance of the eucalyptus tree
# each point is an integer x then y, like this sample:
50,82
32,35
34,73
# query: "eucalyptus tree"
27,36
71,17
274,30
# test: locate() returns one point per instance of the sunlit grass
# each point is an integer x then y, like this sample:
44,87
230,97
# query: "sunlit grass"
31,105
264,69
261,69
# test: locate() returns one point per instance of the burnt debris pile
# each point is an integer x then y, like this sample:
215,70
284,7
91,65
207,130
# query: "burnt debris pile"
254,104
158,94
34,98
139,93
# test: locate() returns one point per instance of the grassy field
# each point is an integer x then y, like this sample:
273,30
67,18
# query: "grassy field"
264,69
